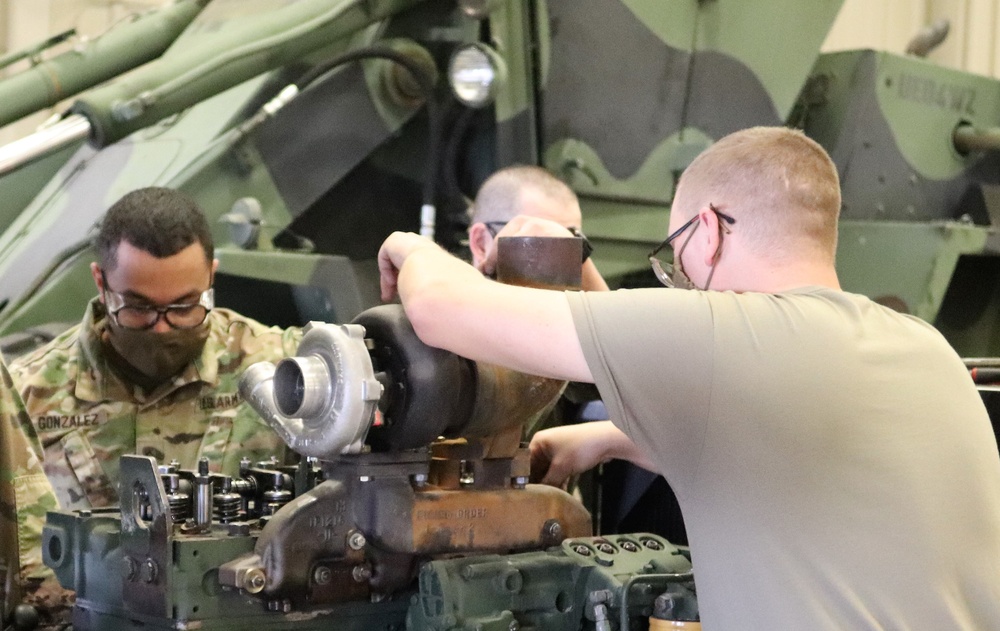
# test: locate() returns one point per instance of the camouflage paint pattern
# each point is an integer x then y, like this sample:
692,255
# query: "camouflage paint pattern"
25,497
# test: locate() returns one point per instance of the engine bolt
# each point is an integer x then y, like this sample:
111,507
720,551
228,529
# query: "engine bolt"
582,550
322,575
361,573
356,541
148,571
553,530
254,580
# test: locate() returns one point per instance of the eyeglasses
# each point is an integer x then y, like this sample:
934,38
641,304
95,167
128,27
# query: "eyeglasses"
178,316
664,271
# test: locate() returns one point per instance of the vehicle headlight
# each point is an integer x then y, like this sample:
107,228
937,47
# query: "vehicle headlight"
478,9
474,73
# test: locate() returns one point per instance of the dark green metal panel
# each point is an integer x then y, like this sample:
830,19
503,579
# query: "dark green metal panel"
906,264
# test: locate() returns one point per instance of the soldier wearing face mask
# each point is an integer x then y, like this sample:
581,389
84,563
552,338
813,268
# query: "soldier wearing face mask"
153,368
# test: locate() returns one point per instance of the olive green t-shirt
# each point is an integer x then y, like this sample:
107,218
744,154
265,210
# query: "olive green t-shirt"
835,465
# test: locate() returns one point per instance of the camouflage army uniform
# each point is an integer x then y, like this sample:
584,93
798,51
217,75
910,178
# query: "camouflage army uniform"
25,496
84,417
80,417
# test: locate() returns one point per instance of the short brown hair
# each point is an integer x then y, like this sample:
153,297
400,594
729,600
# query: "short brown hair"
497,199
781,187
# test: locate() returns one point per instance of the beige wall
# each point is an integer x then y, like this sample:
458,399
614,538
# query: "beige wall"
889,25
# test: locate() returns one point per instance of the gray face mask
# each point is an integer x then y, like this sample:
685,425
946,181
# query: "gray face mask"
157,356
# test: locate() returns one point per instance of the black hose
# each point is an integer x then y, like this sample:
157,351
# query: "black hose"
450,159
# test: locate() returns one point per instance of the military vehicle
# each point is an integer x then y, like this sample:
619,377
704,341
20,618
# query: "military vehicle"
311,129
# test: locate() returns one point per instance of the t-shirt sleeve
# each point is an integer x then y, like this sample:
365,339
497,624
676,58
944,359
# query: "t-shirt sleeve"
651,354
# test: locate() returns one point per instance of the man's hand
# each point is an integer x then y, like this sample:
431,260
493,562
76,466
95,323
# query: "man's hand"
391,256
559,453
522,226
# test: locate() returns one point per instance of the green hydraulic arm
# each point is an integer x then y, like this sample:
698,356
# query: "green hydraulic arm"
92,62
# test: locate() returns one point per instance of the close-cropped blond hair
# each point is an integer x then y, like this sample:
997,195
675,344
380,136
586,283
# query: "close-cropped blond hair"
780,186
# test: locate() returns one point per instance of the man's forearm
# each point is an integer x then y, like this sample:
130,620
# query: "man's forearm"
451,306
591,279
621,447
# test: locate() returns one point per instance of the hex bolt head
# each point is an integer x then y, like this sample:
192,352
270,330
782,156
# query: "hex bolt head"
148,571
322,575
553,529
582,550
254,580
361,573
356,541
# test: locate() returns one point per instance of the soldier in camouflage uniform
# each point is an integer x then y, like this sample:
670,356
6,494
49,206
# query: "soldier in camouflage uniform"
25,496
153,369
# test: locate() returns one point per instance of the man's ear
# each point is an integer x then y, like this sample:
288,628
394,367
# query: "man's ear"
95,272
479,243
712,235
215,267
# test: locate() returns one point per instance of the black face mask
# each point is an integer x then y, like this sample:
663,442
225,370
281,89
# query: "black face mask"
157,356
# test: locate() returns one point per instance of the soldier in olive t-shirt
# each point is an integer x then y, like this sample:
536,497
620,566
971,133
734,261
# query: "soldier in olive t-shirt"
834,463
824,487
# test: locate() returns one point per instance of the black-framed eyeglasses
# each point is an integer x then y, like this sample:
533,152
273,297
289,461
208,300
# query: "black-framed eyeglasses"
178,316
664,271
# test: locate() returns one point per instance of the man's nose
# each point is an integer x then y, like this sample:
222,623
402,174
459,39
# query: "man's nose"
161,325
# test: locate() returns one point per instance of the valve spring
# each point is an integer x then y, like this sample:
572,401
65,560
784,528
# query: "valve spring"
227,506
180,507
275,499
178,502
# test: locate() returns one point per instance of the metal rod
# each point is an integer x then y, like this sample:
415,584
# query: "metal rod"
968,139
980,362
43,142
